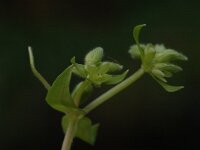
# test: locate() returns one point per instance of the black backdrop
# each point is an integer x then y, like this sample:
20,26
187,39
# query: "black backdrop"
142,117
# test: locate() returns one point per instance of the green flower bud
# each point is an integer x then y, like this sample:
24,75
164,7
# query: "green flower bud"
157,60
111,66
149,54
169,55
135,52
159,48
94,57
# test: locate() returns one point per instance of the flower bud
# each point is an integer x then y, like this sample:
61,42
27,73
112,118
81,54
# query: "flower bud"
169,55
94,56
112,67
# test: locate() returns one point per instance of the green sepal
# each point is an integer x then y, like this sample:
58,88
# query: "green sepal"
84,131
97,75
112,67
91,69
136,35
159,74
58,95
167,74
167,87
149,55
168,67
78,69
116,78
101,79
103,68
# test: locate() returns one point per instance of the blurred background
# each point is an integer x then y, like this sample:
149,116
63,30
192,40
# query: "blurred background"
143,116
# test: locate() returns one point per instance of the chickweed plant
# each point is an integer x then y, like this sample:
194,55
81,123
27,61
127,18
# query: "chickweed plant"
156,60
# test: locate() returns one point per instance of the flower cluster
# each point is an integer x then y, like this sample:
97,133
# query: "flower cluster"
97,71
158,61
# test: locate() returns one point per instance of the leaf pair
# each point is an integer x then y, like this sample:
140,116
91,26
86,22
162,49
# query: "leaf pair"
60,99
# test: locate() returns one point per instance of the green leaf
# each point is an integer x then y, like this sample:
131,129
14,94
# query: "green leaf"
136,35
58,95
85,130
116,78
169,88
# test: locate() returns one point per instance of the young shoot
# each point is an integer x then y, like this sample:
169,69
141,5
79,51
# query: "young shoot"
156,60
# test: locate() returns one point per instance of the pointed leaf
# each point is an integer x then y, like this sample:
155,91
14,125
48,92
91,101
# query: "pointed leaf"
85,130
58,95
136,35
136,32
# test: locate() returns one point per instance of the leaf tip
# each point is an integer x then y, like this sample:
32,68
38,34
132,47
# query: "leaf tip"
73,60
30,55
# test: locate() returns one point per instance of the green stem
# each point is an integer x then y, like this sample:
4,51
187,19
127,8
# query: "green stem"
79,91
69,136
34,70
110,93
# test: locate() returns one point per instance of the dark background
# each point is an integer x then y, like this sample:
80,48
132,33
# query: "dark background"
143,116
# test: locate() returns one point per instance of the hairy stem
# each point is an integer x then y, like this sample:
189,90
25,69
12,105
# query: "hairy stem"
110,93
69,135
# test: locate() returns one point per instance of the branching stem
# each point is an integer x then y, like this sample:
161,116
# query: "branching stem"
110,93
69,136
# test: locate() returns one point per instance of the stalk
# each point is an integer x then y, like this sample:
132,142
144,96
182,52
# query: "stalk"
113,91
35,72
69,136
